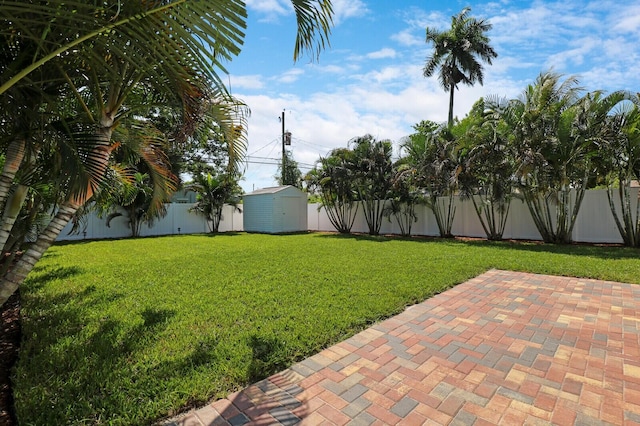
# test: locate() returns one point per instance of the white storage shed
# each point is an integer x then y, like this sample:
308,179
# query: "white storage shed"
275,210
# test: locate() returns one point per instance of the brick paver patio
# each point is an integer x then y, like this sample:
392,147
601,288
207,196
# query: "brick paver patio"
502,348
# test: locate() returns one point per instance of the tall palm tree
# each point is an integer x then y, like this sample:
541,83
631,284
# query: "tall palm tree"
459,53
101,53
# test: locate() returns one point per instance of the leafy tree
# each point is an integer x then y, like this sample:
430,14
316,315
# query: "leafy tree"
459,53
213,192
373,172
292,174
332,178
487,165
82,70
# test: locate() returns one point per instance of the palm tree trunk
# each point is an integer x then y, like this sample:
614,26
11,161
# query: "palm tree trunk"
11,211
635,228
13,160
16,275
479,212
450,120
622,229
216,218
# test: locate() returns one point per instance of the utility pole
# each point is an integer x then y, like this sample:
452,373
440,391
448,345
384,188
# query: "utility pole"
286,140
283,153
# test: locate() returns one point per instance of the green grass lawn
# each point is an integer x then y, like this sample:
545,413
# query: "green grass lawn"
130,331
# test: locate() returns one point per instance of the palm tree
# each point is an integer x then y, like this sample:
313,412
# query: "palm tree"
292,174
405,195
619,162
459,53
142,179
488,165
333,179
100,56
556,135
433,153
218,23
135,203
373,171
213,192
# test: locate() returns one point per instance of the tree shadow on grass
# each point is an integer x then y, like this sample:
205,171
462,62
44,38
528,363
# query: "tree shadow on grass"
92,369
223,234
268,357
359,237
576,249
42,275
603,251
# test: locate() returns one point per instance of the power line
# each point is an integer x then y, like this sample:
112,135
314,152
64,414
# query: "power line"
262,158
264,162
319,148
259,149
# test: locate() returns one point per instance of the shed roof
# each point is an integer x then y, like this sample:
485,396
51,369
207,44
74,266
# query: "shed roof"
270,190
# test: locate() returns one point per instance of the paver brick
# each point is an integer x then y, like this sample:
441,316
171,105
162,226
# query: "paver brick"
403,407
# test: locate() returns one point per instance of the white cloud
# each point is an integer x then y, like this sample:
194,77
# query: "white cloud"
575,56
386,75
382,53
629,23
408,37
329,69
270,9
628,20
417,21
345,9
253,82
290,76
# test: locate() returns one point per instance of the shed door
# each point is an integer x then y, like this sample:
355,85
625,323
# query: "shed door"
290,214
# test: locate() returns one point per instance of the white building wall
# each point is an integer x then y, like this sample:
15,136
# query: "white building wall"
258,213
282,209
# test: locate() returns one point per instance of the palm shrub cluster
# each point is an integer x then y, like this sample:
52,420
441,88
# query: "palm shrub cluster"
352,177
372,178
546,147
619,165
333,179
562,140
487,167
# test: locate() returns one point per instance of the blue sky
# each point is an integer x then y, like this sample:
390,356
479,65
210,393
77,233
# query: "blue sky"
370,79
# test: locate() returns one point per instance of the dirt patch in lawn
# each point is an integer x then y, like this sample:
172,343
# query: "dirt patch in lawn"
9,346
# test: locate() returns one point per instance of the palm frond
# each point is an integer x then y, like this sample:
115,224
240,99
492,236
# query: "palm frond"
315,19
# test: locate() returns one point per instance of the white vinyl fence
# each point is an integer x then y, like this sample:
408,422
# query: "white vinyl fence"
595,223
179,220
